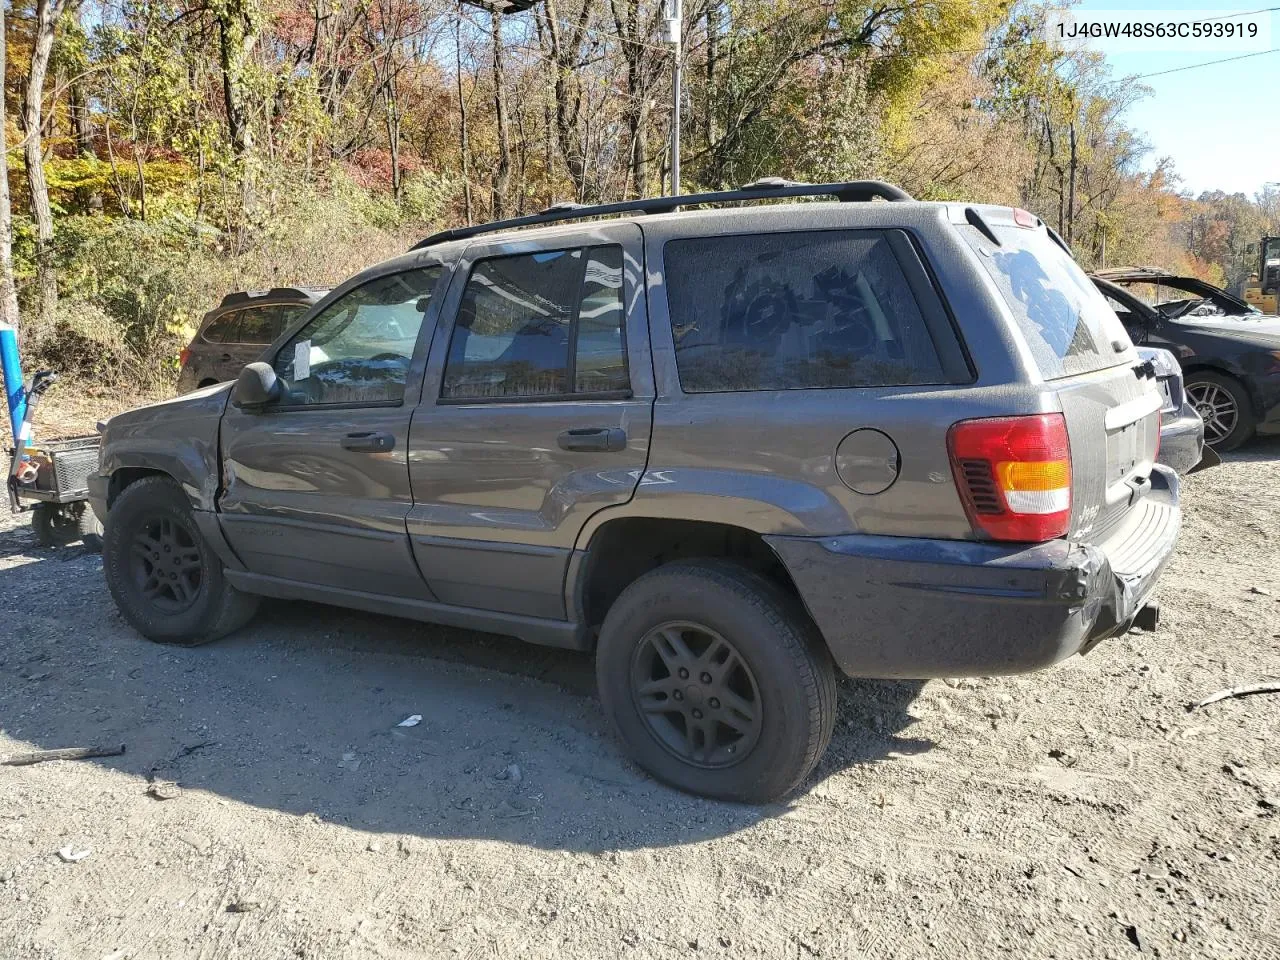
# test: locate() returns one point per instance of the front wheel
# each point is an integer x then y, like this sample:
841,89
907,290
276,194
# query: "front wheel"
162,574
1223,405
716,682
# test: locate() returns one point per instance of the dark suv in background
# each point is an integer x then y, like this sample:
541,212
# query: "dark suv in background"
238,330
727,450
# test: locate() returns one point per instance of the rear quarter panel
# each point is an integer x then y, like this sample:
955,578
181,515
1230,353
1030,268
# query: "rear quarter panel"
766,460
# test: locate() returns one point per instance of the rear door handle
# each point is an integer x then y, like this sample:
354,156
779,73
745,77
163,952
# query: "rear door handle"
369,442
601,439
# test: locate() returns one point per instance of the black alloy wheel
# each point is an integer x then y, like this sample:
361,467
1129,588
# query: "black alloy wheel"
696,694
165,564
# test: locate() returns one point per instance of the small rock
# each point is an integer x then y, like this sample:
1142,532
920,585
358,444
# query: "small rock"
1260,591
195,841
163,790
1134,936
404,847
69,854
374,847
512,773
243,906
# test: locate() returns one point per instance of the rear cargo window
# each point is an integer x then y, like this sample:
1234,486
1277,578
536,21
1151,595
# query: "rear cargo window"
1063,316
792,311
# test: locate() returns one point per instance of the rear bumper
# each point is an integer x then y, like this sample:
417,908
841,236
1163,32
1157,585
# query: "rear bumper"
1182,440
898,607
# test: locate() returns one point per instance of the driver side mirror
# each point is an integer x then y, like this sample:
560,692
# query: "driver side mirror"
256,387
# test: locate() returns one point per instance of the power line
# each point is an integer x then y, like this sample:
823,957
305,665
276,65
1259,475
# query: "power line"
1207,63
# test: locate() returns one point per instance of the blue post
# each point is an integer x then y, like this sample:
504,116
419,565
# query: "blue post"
14,392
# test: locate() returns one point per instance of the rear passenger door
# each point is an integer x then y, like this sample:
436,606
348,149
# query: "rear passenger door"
536,413
221,349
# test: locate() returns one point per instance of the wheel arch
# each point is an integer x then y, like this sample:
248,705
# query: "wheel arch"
624,548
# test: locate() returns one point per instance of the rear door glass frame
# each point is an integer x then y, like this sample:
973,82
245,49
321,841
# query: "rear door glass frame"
634,329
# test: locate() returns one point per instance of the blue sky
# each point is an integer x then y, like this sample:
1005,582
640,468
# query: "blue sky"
1220,124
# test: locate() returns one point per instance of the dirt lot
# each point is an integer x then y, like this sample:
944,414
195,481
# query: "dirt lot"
1080,812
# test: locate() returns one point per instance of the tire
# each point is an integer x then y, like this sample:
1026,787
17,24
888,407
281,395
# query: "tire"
1225,407
60,525
150,522
782,672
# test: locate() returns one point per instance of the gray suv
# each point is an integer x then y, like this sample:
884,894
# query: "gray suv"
729,450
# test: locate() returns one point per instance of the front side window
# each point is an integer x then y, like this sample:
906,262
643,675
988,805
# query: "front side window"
791,311
540,325
358,349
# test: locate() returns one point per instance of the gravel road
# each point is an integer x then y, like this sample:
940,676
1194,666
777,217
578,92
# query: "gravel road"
1080,812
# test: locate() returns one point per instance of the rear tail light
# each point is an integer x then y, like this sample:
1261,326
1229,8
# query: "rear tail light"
1014,475
183,356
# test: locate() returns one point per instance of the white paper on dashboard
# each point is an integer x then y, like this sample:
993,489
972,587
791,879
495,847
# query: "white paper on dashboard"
302,360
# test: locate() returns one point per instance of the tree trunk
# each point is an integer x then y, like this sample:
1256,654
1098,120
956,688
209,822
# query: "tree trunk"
33,154
502,176
237,36
568,96
8,294
713,54
82,131
1074,166
464,146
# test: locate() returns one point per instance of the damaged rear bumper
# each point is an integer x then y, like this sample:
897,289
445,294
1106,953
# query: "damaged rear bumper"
898,607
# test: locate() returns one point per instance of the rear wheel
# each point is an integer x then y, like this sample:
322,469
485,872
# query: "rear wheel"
1223,405
164,577
716,682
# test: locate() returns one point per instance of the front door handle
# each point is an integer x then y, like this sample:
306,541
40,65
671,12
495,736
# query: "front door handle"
369,442
600,439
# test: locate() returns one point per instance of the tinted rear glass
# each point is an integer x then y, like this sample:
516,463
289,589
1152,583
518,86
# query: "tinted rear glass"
787,311
1062,315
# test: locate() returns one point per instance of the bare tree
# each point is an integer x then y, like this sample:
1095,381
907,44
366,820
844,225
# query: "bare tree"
47,13
8,293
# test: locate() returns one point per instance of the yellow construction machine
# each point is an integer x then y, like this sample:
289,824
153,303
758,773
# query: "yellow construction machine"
1263,287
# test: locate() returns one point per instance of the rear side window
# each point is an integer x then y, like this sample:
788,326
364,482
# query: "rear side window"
792,311
259,324
540,325
223,329
1064,318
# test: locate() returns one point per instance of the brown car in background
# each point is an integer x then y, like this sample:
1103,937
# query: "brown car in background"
238,330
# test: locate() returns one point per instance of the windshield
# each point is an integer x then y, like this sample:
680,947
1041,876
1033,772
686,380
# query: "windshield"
1065,320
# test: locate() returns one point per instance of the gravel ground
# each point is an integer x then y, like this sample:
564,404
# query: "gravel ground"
1084,811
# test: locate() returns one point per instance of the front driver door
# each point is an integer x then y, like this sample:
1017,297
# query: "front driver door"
316,487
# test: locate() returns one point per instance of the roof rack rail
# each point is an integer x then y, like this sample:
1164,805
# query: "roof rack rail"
768,188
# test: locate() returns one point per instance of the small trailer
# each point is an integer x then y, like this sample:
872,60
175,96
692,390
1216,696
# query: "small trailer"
48,478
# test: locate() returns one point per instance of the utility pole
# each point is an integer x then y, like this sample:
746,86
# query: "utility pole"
674,23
